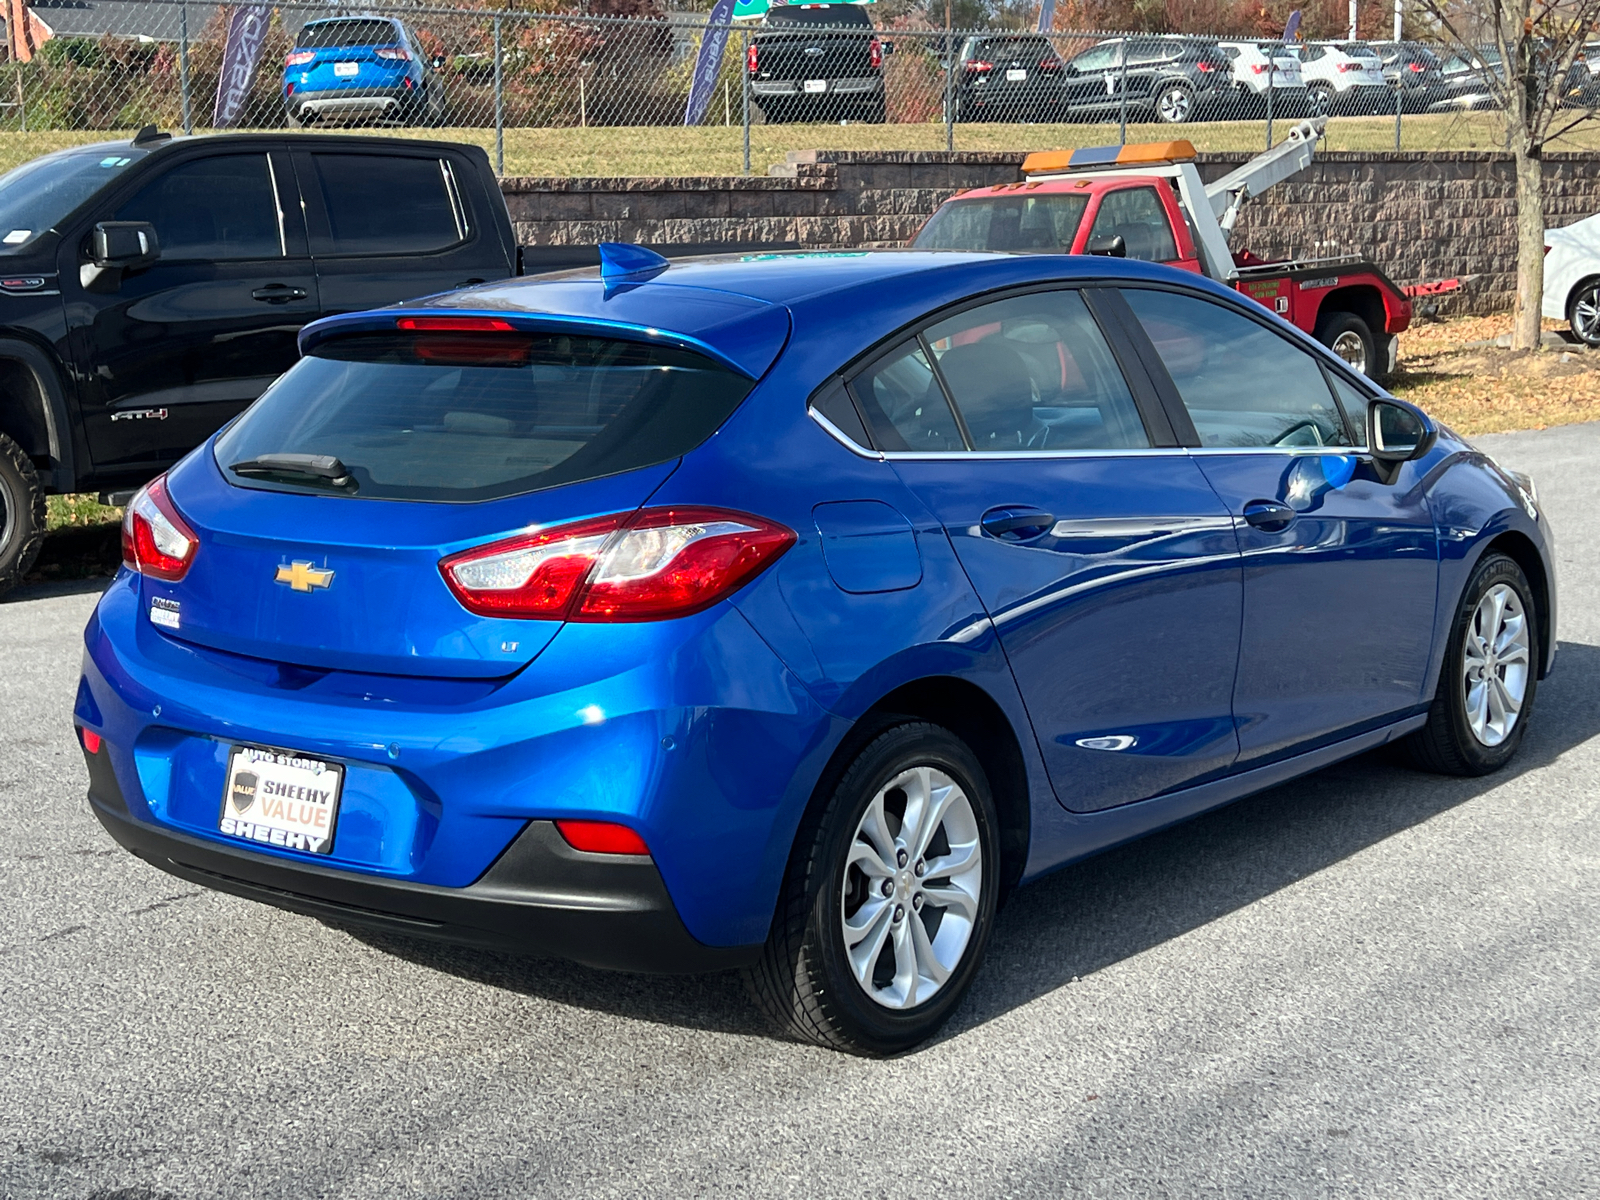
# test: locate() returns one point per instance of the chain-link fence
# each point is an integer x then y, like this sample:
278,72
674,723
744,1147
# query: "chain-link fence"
634,96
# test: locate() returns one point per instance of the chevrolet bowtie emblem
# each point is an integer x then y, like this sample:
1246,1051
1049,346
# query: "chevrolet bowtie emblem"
303,576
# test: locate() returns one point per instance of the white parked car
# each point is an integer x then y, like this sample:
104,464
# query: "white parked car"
1572,278
1344,77
1258,65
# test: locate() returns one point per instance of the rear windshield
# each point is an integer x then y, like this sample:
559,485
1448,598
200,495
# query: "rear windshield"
1039,222
819,14
1357,49
464,417
325,34
1034,48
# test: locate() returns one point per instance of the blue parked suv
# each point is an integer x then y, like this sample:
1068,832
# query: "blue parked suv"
785,612
360,69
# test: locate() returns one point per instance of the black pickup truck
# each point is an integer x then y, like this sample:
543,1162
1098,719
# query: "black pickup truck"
149,290
817,62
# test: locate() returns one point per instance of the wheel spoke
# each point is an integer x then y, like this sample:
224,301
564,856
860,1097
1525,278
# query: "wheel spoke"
875,828
1497,711
927,961
1509,704
1511,634
958,860
905,963
1514,657
865,920
864,954
865,856
954,901
942,799
1478,708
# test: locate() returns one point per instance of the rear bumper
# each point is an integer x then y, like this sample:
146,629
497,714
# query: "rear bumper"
362,101
540,897
869,86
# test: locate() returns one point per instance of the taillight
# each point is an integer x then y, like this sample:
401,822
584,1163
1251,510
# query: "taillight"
602,837
1416,68
299,58
976,66
455,324
752,58
1260,68
874,54
1050,64
656,564
1205,66
1349,66
394,53
156,541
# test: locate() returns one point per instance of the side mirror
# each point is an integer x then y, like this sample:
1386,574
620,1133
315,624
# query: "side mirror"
124,245
1109,247
888,47
438,61
1397,433
116,247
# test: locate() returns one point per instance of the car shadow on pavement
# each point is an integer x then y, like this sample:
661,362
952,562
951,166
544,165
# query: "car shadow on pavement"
1119,904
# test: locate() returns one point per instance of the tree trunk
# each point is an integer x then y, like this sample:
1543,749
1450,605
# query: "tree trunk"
1530,249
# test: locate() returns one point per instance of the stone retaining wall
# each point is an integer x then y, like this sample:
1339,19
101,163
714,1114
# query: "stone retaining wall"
1421,216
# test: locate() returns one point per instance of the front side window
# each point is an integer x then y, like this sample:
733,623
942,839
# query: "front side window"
464,416
1034,374
1098,59
381,204
1243,384
218,208
1138,218
1037,222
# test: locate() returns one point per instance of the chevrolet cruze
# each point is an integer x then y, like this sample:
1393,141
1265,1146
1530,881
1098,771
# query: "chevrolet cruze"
785,612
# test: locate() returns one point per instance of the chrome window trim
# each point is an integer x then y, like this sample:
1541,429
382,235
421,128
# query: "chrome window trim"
1318,451
277,206
842,437
457,208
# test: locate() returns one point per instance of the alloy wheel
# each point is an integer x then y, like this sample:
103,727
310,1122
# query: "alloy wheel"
1586,314
8,518
1349,346
1495,661
911,888
1175,104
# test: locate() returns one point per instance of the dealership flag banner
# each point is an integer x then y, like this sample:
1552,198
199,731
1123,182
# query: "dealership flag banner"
709,64
1047,16
246,32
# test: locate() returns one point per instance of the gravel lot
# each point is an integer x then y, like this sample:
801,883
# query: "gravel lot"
1372,982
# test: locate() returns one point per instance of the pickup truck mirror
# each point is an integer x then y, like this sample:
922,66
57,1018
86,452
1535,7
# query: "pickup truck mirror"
888,47
1109,247
1397,433
115,247
438,61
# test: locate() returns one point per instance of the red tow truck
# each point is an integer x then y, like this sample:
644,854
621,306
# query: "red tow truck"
1147,201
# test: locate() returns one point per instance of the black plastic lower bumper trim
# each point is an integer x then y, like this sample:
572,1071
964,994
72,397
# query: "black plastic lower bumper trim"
541,897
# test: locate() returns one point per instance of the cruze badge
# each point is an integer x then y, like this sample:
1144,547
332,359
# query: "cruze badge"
303,576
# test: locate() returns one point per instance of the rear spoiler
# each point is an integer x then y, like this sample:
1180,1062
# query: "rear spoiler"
546,260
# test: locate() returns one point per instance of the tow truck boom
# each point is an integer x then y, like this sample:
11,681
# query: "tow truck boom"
1289,157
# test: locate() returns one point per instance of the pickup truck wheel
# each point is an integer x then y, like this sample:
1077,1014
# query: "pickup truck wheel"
21,514
1583,312
1347,336
1319,98
1175,105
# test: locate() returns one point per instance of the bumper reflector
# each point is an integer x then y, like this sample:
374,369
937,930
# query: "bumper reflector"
91,740
602,837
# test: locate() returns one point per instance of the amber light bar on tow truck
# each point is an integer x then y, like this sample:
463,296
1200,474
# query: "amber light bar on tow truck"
1138,154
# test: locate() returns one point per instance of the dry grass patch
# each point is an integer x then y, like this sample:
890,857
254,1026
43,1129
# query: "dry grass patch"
1478,388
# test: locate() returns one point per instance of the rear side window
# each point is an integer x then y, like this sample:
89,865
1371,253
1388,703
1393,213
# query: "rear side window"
904,404
326,34
462,417
384,205
1137,217
1243,384
1038,222
1034,374
218,208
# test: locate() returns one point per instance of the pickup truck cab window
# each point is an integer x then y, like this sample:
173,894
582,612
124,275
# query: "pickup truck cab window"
382,204
1242,384
1137,216
222,208
1047,221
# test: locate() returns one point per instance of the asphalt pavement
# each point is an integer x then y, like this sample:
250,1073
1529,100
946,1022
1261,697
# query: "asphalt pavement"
1372,982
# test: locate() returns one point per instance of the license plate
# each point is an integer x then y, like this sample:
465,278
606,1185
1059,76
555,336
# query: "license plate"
346,69
1016,76
816,85
279,798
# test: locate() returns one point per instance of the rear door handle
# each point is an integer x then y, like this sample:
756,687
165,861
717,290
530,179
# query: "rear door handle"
278,293
1017,523
1269,515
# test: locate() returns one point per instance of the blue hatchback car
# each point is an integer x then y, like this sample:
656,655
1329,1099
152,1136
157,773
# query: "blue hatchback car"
784,612
360,69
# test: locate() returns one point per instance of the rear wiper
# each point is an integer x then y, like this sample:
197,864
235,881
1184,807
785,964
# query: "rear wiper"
316,468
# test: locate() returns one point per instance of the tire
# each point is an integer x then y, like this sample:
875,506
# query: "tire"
1319,99
874,113
805,980
1583,312
1348,336
1175,104
1451,742
21,514
292,121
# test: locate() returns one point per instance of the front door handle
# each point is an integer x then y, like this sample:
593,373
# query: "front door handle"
1017,523
1269,515
278,293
